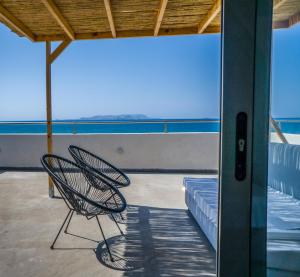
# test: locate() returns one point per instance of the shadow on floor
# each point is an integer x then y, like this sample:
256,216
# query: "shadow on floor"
159,242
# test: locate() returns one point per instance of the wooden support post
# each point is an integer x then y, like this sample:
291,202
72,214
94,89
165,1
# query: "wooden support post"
49,110
278,131
60,48
50,58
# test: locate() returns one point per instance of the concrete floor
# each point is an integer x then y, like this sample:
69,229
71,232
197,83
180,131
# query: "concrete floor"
161,238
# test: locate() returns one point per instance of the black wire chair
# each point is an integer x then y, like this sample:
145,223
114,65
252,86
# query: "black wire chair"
111,173
83,192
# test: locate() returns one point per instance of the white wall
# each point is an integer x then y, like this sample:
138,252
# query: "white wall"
291,138
197,151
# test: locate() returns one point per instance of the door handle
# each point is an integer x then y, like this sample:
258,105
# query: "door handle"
241,146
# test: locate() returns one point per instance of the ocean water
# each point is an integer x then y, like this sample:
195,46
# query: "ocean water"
109,127
127,126
290,126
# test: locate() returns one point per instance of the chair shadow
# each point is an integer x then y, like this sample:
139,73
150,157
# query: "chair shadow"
159,242
121,218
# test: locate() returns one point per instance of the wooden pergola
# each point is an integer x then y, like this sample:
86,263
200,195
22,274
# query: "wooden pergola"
58,20
68,20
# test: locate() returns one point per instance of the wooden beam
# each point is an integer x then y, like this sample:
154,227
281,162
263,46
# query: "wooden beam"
278,4
281,24
52,8
107,5
160,15
210,16
15,23
83,36
49,110
131,33
294,19
59,50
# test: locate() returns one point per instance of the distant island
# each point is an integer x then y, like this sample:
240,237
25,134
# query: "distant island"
116,117
131,117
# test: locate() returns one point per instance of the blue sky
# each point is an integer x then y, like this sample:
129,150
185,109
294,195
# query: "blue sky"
286,72
167,77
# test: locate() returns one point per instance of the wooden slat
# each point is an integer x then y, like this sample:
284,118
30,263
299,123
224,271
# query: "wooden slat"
160,16
59,50
52,8
278,4
212,13
15,23
110,18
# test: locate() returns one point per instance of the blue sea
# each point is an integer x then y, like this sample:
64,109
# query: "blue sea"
104,127
291,126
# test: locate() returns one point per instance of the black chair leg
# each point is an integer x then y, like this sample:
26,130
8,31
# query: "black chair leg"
61,227
70,218
111,258
117,205
117,225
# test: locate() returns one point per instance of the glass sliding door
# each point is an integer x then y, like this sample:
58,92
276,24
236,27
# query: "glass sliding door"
246,51
283,232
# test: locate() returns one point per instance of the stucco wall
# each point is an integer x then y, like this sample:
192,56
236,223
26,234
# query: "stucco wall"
196,151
